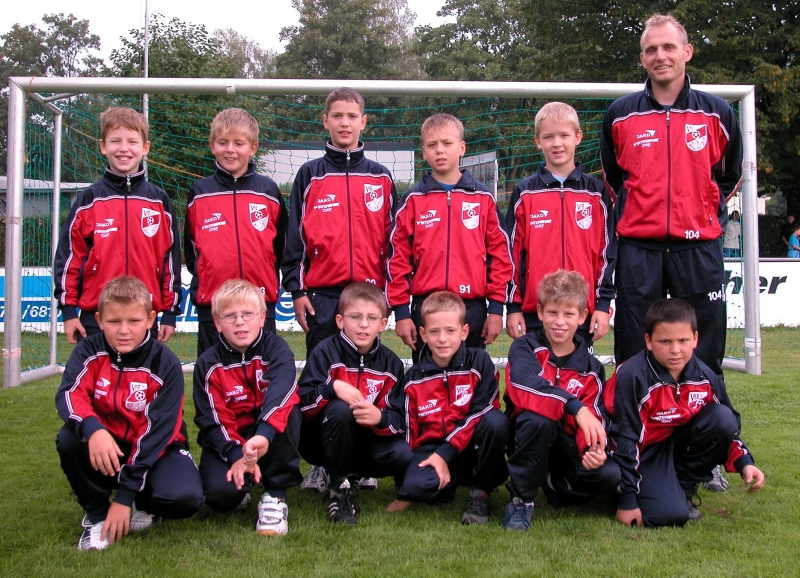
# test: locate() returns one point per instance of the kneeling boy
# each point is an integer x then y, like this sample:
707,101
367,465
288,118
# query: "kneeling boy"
554,397
245,399
673,423
121,398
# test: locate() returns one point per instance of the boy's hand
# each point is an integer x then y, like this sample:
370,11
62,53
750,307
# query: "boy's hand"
492,328
407,331
104,453
165,332
593,458
630,517
598,326
365,413
303,308
118,522
753,478
515,325
440,467
346,392
73,328
591,427
253,449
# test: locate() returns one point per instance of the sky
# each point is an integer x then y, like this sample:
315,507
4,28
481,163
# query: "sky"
259,20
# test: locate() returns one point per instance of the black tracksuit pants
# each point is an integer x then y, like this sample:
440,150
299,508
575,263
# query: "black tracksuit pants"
323,323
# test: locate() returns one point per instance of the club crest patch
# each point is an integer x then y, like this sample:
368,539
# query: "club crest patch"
151,221
697,399
462,395
470,214
137,398
583,214
696,136
373,197
373,389
258,216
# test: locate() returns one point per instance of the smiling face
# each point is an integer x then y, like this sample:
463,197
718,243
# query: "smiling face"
344,121
557,140
672,344
443,332
665,54
443,148
124,149
240,323
233,151
560,321
125,324
361,322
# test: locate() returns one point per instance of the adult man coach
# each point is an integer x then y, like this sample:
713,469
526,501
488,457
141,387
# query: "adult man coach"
671,156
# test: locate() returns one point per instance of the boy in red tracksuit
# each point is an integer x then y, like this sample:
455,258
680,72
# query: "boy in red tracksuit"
554,398
448,407
673,422
448,236
235,223
245,399
561,218
121,225
121,399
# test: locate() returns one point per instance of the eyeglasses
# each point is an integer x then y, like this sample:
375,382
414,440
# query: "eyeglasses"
231,319
358,318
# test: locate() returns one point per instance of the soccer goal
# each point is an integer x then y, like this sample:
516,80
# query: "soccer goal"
53,155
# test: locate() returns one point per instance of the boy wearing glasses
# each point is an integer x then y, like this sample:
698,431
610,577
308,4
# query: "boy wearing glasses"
351,367
245,399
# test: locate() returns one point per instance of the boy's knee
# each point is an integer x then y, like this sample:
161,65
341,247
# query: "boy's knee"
419,486
180,503
529,424
67,443
496,425
720,419
337,412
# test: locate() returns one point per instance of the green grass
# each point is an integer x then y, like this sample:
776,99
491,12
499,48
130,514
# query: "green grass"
740,534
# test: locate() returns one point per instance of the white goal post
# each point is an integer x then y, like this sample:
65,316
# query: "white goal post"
22,88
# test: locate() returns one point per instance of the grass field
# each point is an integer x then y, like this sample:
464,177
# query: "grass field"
740,535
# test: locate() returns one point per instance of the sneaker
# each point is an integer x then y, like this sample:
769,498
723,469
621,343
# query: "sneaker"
694,512
141,520
316,479
244,503
551,493
343,507
718,482
90,538
477,509
518,515
367,484
273,514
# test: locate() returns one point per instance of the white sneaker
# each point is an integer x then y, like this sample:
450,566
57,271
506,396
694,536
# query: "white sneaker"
316,479
718,483
273,514
141,520
90,538
367,484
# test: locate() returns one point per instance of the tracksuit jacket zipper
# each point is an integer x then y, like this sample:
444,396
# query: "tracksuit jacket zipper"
127,228
349,211
563,233
669,179
236,228
447,255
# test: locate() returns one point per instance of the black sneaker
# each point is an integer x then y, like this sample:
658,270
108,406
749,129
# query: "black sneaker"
552,495
518,515
477,509
343,507
694,512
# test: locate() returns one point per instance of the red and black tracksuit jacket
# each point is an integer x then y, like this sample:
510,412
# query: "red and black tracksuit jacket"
534,382
235,229
137,397
374,374
448,241
648,404
243,394
443,405
340,214
556,225
121,225
671,171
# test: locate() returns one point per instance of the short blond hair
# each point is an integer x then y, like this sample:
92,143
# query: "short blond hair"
559,112
657,20
565,287
125,291
443,301
440,121
124,117
361,290
234,120
237,291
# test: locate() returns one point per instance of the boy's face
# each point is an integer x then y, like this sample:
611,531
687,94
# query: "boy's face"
344,121
443,332
233,152
124,149
672,344
558,140
560,321
361,322
125,324
240,324
443,149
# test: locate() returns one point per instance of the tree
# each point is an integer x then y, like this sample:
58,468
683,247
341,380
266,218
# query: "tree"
252,60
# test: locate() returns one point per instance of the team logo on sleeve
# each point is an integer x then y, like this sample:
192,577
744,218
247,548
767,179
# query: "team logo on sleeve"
373,389
258,216
696,136
697,399
462,395
137,398
470,214
373,197
583,215
151,220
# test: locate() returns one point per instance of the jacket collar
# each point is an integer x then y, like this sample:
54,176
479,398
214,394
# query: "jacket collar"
683,95
349,349
339,156
549,180
426,362
467,182
134,357
120,181
250,349
692,371
229,180
577,360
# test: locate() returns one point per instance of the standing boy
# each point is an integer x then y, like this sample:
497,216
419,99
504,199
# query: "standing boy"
448,406
561,218
121,399
673,422
448,236
345,369
672,156
235,223
121,225
245,399
339,220
554,398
